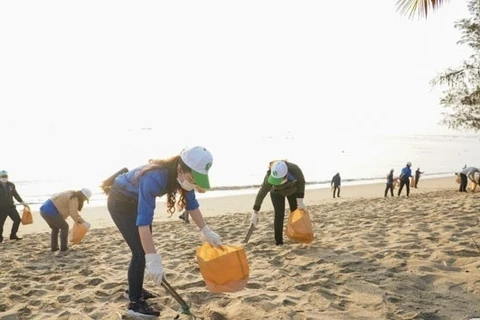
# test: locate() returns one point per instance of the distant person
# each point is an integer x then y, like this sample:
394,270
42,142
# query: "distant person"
58,208
466,174
283,180
335,183
7,207
417,176
390,182
131,203
404,178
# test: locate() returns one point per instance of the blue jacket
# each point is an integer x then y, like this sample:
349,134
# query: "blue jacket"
150,185
406,173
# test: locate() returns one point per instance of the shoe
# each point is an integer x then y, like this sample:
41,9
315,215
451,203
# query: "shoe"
145,294
140,308
15,238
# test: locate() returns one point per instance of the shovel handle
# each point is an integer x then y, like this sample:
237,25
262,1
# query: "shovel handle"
249,233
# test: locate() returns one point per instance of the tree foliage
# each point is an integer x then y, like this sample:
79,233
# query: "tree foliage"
461,98
420,8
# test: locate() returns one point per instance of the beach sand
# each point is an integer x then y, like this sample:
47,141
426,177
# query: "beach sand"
372,258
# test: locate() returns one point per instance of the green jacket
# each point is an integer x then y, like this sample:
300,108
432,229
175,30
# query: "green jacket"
295,186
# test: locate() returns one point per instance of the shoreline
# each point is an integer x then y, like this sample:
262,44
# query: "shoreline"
99,217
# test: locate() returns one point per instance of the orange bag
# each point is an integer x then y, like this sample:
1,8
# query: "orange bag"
223,269
78,233
27,217
299,226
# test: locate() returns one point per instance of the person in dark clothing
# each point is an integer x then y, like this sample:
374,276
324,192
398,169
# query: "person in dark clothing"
336,182
417,176
405,176
389,183
465,174
283,180
7,208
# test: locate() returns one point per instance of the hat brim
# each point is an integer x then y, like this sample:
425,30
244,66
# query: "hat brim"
201,180
275,181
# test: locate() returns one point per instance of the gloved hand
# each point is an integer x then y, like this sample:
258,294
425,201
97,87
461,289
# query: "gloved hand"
211,237
300,203
154,267
86,224
254,218
25,204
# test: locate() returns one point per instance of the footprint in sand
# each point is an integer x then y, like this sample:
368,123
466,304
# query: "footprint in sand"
95,281
64,299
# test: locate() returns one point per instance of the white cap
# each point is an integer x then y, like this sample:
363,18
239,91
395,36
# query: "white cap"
3,173
409,163
278,171
199,160
87,193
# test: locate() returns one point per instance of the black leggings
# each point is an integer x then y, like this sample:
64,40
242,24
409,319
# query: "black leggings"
389,186
124,213
406,183
463,182
278,202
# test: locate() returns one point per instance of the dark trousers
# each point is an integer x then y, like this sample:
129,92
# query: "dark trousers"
337,189
123,211
405,183
416,180
463,182
13,214
57,224
389,186
278,202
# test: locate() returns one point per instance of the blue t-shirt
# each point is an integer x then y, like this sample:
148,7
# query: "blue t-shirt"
150,185
48,208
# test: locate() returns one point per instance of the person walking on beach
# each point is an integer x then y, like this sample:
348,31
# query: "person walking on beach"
417,176
131,203
58,208
466,174
389,183
8,191
336,182
404,177
283,180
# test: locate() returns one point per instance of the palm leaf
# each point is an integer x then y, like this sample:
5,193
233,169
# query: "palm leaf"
420,8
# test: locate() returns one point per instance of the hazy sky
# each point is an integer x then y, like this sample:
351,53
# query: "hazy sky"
224,66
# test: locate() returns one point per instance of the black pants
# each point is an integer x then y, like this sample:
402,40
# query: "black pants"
463,182
123,211
416,181
405,183
278,202
337,189
389,186
13,214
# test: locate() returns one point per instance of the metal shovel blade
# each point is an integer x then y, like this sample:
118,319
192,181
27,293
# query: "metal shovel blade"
249,233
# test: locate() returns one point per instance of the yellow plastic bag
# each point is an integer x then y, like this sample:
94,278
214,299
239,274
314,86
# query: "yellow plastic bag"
78,233
223,269
457,178
27,217
299,226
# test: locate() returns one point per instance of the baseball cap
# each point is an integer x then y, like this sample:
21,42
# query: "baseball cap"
3,173
199,160
278,171
87,193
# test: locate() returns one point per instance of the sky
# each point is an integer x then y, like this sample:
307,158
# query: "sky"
223,68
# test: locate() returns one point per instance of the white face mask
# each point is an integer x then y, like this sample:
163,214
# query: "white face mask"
3,180
185,184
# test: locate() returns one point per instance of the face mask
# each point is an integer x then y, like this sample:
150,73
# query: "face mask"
185,184
3,180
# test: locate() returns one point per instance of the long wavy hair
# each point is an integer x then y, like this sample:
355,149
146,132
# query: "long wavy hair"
172,185
81,198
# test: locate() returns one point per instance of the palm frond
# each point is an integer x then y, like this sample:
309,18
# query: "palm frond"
420,8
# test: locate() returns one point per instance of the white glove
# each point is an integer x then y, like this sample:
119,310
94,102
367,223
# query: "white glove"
154,267
300,203
86,225
210,236
24,204
254,218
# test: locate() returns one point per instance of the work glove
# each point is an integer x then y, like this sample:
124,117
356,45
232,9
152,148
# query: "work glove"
300,203
25,204
210,236
154,267
86,225
254,218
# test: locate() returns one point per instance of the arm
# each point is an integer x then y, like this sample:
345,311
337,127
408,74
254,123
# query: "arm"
262,193
73,210
298,174
147,239
17,196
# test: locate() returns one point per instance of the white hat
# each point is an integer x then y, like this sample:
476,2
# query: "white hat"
199,160
3,173
278,172
87,193
409,163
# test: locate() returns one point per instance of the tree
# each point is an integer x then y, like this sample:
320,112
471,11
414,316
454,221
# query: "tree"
420,8
462,96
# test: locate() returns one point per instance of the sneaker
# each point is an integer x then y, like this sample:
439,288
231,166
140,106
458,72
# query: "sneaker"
146,294
140,308
15,238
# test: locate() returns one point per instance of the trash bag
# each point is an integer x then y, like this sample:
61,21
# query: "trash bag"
299,226
78,233
27,217
223,269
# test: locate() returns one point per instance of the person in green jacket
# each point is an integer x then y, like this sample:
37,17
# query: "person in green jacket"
283,180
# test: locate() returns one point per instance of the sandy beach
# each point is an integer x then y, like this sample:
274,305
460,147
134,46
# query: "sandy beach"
414,257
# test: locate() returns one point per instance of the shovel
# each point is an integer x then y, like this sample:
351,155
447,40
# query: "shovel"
176,296
249,233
